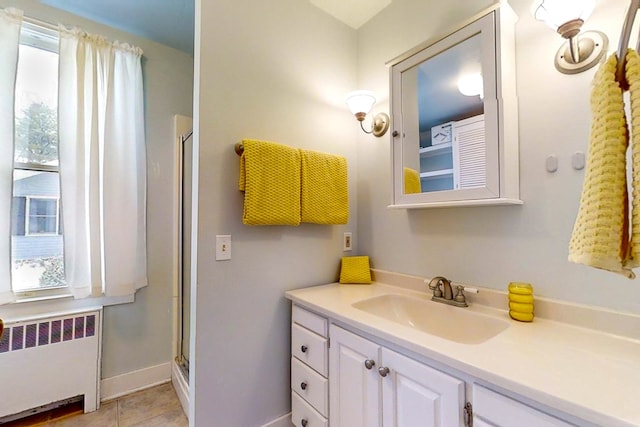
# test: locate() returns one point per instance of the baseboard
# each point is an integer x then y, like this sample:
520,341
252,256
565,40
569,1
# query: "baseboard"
120,385
283,421
181,386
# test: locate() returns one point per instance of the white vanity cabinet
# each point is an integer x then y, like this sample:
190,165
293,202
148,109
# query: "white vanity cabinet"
519,377
309,369
339,378
371,385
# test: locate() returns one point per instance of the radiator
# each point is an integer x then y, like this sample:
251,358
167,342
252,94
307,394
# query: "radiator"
48,359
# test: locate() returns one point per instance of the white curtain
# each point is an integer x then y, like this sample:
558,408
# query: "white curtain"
10,23
102,165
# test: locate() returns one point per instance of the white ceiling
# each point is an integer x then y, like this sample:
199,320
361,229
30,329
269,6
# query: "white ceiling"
354,13
171,22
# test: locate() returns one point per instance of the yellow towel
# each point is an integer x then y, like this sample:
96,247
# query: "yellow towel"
270,179
324,196
600,234
632,74
411,181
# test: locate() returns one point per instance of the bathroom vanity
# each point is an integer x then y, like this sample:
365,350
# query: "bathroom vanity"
386,355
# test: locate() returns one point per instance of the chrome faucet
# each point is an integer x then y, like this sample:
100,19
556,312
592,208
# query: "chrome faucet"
443,293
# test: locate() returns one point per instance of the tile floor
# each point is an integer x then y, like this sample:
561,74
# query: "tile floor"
155,407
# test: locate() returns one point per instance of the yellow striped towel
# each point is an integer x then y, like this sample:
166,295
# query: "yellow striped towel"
324,196
270,179
632,74
600,235
411,181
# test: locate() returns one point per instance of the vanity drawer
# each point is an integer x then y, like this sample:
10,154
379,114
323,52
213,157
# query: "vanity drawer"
303,415
499,410
309,320
310,348
313,387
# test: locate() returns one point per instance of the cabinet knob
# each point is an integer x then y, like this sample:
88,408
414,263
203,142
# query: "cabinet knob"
304,422
383,371
369,364
304,348
303,386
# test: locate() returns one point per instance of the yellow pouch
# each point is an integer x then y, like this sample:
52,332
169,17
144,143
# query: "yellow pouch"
355,269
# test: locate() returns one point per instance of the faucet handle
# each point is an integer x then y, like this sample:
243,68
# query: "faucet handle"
437,290
460,293
469,289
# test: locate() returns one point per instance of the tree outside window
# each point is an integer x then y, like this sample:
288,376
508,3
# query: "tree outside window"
37,135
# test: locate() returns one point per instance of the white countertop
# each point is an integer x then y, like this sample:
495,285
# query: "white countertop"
589,374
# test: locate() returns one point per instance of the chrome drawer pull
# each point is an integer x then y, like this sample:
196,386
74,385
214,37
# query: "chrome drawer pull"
369,364
383,371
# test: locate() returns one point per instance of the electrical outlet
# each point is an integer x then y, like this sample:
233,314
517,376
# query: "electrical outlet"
347,242
223,247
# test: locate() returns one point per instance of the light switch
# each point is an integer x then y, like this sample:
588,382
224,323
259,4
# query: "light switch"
347,242
223,247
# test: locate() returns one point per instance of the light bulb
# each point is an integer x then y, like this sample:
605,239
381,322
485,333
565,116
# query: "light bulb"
471,85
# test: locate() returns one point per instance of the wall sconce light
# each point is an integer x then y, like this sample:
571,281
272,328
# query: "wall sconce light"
360,103
566,17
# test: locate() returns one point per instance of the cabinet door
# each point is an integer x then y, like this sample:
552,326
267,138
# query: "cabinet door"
354,390
414,394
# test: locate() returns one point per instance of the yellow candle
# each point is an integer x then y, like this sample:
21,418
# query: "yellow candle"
521,301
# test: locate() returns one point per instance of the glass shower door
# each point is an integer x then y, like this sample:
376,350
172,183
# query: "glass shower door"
184,302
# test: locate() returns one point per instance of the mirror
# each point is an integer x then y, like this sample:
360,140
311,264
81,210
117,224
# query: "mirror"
448,99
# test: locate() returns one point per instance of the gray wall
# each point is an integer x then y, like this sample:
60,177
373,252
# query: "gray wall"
278,71
491,246
138,335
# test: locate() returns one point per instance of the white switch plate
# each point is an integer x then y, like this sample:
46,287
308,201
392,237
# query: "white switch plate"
223,247
347,242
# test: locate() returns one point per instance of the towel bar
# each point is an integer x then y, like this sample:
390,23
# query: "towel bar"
239,148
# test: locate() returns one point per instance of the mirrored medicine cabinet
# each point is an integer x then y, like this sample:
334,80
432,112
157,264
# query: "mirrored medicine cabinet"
455,117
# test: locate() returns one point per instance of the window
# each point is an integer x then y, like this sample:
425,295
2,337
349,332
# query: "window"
36,237
42,216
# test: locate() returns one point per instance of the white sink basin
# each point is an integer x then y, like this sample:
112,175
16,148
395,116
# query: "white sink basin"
445,321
